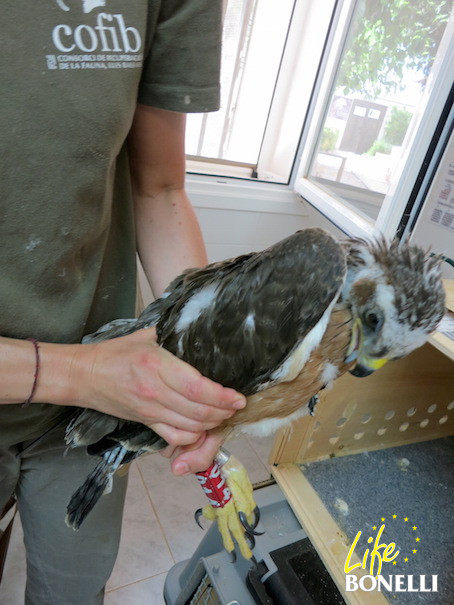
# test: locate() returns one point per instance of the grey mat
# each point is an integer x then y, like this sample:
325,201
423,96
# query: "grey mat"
414,482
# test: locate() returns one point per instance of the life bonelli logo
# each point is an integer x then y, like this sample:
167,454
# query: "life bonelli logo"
380,558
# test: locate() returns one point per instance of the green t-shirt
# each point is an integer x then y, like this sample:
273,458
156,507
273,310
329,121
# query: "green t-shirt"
72,72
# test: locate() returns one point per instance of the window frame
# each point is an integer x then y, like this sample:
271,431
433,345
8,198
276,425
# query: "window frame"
343,216
409,169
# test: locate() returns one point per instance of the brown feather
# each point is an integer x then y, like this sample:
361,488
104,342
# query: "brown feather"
286,397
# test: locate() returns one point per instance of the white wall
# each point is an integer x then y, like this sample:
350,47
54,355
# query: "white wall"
242,216
237,217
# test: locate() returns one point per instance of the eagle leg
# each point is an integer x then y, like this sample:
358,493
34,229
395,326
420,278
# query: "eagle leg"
249,528
230,493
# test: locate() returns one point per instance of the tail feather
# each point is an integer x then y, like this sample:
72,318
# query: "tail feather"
90,426
84,499
118,327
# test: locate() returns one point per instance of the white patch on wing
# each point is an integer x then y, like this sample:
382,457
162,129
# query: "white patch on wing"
293,365
266,427
194,307
249,322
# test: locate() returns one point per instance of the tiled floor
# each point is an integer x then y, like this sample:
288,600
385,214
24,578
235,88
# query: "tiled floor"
158,528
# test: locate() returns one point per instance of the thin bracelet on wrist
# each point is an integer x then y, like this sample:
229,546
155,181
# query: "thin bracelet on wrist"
35,378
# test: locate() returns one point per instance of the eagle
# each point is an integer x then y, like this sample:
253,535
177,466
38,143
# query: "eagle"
278,326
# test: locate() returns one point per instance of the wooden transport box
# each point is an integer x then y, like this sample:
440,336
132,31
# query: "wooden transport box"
407,401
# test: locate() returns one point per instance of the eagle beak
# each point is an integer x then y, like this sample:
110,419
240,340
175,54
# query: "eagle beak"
367,365
355,342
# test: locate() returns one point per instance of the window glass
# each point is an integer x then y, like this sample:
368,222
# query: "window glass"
253,42
381,83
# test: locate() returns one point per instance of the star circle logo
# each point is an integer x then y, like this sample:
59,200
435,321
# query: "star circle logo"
87,5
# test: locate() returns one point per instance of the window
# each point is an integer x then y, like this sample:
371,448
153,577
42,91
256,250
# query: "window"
253,42
381,94
339,99
271,53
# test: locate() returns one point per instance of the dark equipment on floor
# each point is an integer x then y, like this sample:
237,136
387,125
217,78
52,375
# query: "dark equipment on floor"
288,571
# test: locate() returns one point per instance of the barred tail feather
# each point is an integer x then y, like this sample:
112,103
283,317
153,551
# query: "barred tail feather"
85,498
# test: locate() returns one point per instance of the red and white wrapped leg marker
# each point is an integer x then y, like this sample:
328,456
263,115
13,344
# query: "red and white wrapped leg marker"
214,483
229,491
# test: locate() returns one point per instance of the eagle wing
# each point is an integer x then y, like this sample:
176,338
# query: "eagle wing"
238,321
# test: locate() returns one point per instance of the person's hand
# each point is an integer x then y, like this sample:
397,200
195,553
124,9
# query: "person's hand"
132,377
196,457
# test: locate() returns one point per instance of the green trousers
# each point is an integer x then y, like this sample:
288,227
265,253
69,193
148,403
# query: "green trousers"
64,567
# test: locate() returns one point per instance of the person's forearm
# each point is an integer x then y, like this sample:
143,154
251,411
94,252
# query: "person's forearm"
18,366
129,377
168,237
168,234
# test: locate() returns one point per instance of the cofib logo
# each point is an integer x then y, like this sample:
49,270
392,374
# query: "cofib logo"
108,34
87,5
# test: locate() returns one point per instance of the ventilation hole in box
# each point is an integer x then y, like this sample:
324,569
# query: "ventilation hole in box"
432,408
341,421
443,419
404,426
424,423
358,435
411,412
389,414
381,431
333,440
366,418
316,425
451,405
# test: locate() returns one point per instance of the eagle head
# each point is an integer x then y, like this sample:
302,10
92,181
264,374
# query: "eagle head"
396,297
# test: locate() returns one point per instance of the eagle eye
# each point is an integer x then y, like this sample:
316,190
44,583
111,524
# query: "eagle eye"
373,321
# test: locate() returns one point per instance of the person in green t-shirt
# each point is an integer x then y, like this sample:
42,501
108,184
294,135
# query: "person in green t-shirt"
92,102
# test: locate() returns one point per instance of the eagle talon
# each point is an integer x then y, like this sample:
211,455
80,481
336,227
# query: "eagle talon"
256,512
250,529
312,403
198,513
250,538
